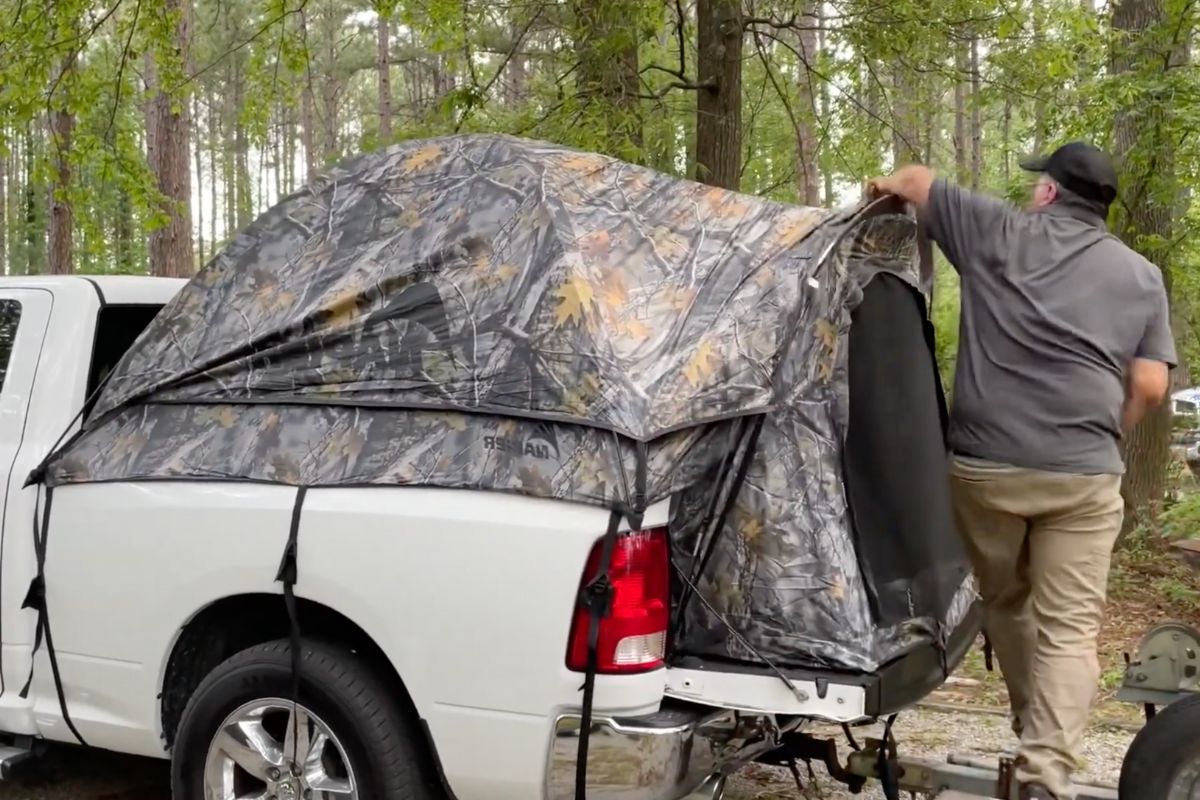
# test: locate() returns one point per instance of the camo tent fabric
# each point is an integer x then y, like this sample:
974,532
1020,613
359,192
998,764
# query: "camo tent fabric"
491,313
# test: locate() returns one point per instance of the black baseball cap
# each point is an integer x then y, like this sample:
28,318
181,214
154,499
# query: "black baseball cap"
1081,168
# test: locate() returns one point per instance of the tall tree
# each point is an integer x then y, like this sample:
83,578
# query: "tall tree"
808,176
383,65
1146,46
720,33
976,116
4,186
170,122
961,143
61,242
608,77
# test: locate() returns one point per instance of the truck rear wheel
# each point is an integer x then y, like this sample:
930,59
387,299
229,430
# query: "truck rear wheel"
1163,763
345,737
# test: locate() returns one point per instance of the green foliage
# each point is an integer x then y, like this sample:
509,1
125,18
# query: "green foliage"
257,70
1181,520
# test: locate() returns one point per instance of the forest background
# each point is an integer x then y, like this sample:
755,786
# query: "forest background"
137,135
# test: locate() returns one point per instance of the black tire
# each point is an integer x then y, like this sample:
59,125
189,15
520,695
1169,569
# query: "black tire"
1168,745
383,746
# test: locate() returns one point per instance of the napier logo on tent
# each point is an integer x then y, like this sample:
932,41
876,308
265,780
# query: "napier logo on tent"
541,444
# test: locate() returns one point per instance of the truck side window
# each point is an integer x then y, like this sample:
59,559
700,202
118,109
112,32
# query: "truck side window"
10,318
117,327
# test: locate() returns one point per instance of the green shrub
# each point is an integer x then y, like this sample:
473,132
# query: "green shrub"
1181,519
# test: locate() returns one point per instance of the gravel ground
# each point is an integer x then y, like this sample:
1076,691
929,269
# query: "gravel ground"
930,734
73,774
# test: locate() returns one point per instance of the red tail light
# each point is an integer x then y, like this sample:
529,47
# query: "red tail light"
633,636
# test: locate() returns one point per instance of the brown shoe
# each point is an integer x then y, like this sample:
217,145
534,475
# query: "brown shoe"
1035,791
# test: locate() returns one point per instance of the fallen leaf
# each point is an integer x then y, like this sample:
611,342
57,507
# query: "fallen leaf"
681,299
272,299
595,243
827,334
421,158
634,329
793,230
700,365
576,298
584,163
615,295
342,309
751,529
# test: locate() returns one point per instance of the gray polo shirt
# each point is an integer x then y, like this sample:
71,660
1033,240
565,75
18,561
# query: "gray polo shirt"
1053,310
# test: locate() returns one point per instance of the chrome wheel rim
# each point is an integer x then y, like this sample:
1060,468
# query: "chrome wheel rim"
251,756
1186,784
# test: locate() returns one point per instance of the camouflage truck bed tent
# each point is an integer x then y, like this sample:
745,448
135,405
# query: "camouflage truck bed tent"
489,313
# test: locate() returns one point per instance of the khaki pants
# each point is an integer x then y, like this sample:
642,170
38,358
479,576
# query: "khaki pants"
1041,544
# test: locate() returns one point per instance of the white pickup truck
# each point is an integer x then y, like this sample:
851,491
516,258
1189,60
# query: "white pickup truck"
431,674
167,625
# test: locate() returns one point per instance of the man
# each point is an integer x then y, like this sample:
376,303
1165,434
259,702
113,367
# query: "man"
1064,344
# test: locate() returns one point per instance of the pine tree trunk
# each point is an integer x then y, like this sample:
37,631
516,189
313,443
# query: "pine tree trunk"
719,35
171,245
241,150
1039,104
961,147
198,152
35,218
14,204
4,189
808,178
330,89
213,167
60,240
277,149
229,181
518,71
123,234
1145,153
384,66
976,117
906,139
606,77
307,132
825,103
1006,135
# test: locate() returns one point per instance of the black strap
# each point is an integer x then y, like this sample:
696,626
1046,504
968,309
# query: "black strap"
35,599
711,527
889,766
288,575
596,597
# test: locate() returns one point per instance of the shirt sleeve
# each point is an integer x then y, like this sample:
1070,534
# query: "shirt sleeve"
971,229
1158,344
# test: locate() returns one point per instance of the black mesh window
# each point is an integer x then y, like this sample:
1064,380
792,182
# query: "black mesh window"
10,318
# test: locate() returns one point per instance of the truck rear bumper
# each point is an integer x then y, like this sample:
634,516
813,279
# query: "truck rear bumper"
680,752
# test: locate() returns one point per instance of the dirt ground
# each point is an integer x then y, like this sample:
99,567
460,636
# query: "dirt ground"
965,716
71,774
